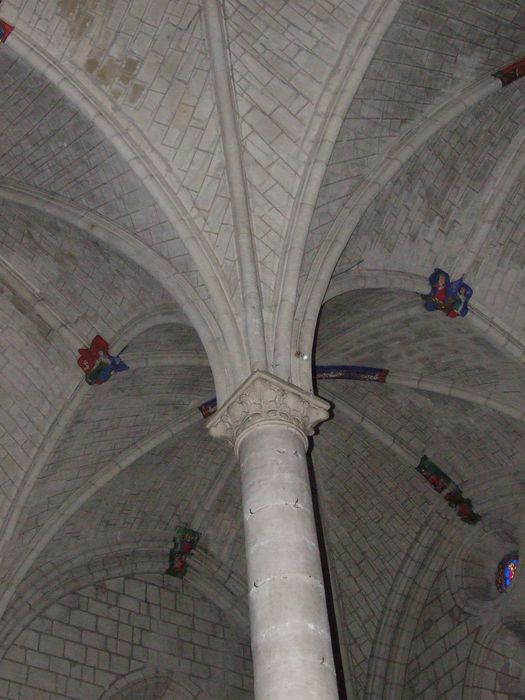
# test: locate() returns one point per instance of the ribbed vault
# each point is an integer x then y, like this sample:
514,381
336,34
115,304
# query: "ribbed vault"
193,179
382,519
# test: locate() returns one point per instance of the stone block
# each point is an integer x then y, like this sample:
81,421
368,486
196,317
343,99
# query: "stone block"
75,652
38,678
13,671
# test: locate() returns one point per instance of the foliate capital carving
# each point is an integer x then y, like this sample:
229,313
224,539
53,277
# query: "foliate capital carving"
264,398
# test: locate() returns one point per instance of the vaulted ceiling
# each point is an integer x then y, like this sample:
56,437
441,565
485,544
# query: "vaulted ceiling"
194,180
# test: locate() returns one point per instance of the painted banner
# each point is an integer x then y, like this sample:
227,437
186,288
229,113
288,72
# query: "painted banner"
443,484
208,407
96,362
356,372
184,543
508,74
5,30
450,297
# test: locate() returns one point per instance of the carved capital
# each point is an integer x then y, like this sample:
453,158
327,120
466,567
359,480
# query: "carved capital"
263,398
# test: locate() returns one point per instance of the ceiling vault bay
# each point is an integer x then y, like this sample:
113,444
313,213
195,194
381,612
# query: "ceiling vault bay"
193,180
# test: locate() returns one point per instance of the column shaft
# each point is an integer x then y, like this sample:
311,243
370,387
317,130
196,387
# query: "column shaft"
291,644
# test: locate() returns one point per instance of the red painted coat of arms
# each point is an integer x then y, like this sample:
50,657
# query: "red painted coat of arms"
5,30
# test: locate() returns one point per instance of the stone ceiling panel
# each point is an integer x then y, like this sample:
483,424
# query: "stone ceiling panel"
35,382
168,486
150,64
391,329
484,659
157,492
89,286
111,419
499,267
166,339
282,54
187,480
374,509
87,290
381,516
48,144
472,444
422,218
430,50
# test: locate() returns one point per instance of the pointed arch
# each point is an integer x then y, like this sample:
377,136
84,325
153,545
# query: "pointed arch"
129,246
81,495
342,85
56,431
126,557
394,158
157,177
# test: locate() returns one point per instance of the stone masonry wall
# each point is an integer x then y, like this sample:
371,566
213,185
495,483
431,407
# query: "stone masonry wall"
90,639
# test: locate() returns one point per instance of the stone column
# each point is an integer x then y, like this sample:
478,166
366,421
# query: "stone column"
268,421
